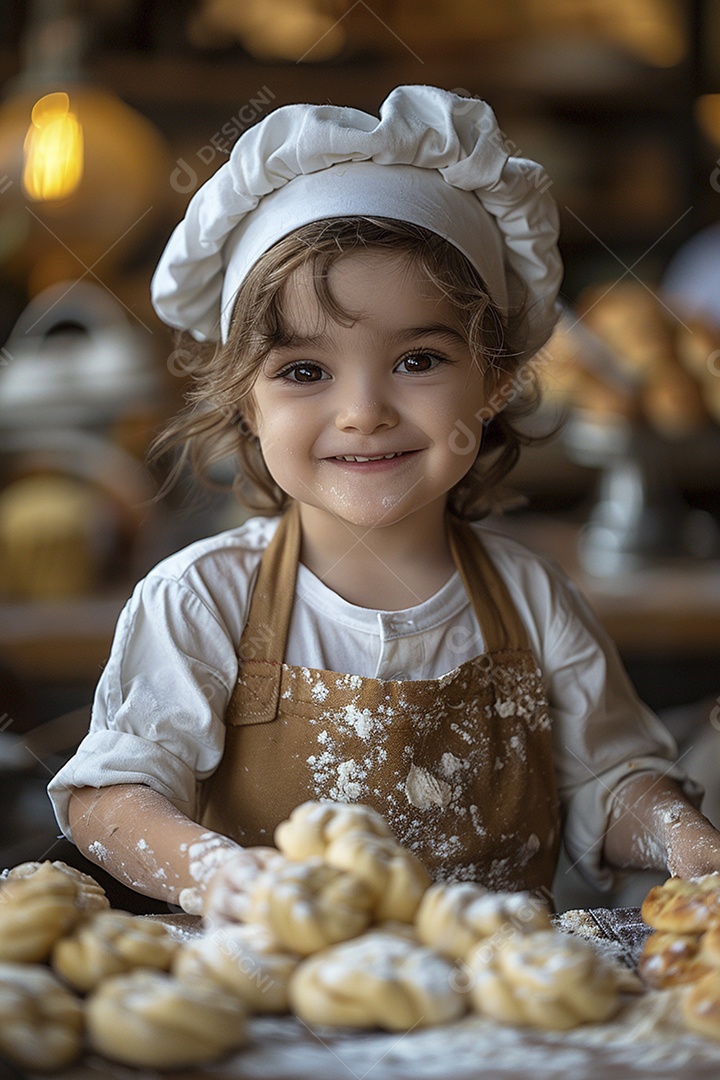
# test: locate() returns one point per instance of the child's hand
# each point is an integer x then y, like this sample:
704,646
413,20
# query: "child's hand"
693,846
226,892
655,827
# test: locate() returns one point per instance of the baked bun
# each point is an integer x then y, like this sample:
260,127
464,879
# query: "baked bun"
378,980
669,959
111,943
683,906
149,1018
701,1006
41,1022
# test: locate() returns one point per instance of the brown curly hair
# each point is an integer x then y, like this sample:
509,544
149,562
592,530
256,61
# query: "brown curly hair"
214,425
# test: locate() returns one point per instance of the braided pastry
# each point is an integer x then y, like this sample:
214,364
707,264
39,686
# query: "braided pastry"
544,979
396,876
701,1006
90,895
377,980
109,944
151,1019
454,917
42,1021
669,959
313,825
683,906
245,960
711,946
36,911
308,905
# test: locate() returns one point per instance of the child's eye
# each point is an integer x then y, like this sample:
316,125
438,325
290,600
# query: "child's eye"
419,362
303,372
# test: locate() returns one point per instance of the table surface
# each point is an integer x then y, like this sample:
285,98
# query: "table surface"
645,1041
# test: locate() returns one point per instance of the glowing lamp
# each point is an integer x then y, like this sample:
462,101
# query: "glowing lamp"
53,149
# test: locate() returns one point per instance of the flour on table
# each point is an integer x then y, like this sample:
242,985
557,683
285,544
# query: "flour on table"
645,1040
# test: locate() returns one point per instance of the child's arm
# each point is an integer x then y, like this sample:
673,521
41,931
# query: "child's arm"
139,837
653,826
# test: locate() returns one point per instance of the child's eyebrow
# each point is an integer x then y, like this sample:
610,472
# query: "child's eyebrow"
410,333
431,329
295,340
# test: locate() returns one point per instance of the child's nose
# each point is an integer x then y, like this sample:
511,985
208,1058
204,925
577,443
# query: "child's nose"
366,413
366,406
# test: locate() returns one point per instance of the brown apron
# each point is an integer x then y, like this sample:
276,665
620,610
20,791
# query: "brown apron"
461,767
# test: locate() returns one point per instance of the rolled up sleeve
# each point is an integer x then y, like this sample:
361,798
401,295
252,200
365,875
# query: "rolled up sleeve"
158,711
604,735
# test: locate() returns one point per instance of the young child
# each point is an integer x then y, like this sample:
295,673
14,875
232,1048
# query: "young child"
376,289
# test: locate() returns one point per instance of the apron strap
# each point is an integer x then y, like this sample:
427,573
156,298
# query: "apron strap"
262,646
500,624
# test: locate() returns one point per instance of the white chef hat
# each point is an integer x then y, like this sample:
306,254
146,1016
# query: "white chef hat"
433,158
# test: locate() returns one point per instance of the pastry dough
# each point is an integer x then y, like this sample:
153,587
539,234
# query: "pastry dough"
245,960
42,1021
683,906
453,917
109,944
356,838
545,979
377,980
396,876
90,895
151,1019
701,1006
308,905
313,825
36,911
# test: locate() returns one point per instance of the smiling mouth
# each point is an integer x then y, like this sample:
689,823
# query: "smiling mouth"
376,457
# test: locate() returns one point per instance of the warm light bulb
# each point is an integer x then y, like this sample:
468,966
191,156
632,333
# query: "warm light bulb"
53,149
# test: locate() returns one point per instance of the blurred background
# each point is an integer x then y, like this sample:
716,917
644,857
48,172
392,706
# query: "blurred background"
113,112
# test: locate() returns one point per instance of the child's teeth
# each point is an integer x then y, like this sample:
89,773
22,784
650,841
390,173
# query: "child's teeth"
378,457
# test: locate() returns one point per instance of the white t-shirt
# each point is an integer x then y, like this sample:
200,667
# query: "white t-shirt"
157,717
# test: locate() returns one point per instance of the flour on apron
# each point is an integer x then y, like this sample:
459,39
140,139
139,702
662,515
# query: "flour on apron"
461,766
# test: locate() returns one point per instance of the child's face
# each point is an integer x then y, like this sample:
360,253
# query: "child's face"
392,386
